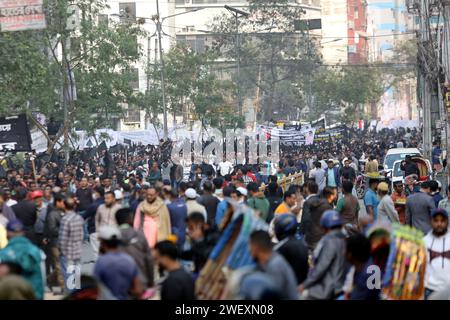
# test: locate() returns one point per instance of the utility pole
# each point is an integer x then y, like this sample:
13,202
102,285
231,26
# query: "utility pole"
425,85
163,82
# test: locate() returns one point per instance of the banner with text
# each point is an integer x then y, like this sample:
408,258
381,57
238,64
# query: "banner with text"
14,134
18,15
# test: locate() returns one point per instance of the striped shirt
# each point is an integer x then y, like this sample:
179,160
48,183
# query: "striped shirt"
71,236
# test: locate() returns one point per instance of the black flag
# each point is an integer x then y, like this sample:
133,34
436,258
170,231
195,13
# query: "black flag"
102,146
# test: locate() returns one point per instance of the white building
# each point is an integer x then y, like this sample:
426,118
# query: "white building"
388,25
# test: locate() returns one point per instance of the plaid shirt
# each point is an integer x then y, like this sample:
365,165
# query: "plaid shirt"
71,236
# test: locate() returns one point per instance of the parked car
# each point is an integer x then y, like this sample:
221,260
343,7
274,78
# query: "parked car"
396,154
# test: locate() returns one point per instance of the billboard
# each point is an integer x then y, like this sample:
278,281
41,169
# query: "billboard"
14,134
18,15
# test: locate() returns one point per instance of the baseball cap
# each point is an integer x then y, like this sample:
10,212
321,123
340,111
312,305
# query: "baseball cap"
440,211
383,186
330,160
118,194
109,233
191,193
14,225
242,190
330,219
37,194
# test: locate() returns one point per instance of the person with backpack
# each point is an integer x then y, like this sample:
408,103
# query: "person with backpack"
133,242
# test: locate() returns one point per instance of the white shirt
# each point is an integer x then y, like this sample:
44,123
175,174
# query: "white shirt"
225,167
11,202
437,276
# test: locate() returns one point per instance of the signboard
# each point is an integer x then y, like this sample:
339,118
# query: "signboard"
338,132
14,134
18,15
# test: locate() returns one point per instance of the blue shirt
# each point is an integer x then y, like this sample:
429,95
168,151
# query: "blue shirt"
220,213
331,179
436,153
116,270
371,199
178,214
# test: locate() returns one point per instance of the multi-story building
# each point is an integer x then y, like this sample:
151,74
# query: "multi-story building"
389,24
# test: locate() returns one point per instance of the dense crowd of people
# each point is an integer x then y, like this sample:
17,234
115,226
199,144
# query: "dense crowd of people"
151,224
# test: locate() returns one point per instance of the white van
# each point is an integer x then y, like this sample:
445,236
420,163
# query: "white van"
396,154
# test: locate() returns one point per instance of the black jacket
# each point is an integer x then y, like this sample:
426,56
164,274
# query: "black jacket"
51,227
85,198
296,254
410,168
313,232
89,214
26,212
200,250
210,203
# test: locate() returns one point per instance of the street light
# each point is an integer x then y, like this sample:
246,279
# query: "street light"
158,23
237,14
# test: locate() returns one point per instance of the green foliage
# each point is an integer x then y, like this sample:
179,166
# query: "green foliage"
35,66
192,87
346,89
273,53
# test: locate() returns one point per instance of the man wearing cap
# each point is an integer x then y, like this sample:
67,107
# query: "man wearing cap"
38,198
326,280
116,270
419,206
192,204
70,240
22,252
386,208
437,242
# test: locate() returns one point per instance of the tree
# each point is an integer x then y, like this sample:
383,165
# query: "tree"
274,52
192,87
347,89
41,68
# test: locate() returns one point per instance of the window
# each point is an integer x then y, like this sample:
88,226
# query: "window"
127,11
134,78
356,14
103,19
133,114
352,48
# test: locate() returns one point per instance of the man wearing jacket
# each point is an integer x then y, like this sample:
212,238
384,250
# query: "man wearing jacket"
89,214
332,175
26,212
317,206
326,279
51,233
419,206
437,241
